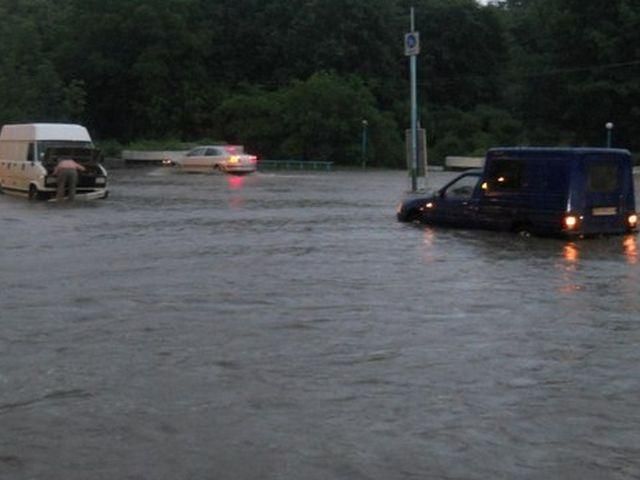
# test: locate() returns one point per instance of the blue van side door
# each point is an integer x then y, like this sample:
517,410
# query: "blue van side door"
502,195
455,203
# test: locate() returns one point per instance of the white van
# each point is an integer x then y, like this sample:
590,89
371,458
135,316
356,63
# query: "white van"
29,154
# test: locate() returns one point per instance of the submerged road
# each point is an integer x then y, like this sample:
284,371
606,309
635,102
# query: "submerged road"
285,326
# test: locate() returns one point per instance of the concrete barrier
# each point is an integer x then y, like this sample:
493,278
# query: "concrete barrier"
463,163
151,157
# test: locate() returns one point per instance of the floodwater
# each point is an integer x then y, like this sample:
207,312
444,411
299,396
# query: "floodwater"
284,326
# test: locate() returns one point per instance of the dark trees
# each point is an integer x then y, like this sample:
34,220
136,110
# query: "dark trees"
297,77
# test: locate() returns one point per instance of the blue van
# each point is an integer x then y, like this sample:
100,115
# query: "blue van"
543,191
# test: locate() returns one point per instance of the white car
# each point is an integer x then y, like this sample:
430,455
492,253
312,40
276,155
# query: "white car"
223,158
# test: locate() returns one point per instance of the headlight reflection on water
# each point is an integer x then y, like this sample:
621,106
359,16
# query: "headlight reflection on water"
574,254
571,255
630,244
428,241
571,252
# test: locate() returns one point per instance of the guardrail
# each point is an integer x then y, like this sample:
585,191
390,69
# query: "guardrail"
294,165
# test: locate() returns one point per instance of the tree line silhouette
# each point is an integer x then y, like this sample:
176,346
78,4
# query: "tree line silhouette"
296,78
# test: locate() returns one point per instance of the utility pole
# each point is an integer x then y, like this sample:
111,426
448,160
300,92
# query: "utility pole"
365,124
412,49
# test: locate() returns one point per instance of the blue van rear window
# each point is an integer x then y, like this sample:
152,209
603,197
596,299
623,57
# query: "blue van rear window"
602,177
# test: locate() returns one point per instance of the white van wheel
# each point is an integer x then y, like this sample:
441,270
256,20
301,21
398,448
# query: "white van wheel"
33,192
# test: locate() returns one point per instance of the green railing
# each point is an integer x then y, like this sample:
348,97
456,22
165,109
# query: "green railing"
294,165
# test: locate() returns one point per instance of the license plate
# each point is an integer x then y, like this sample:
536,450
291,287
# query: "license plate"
602,211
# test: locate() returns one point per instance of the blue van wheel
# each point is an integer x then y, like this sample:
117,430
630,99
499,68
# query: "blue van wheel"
523,229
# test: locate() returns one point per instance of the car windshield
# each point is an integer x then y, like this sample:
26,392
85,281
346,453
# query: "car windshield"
462,188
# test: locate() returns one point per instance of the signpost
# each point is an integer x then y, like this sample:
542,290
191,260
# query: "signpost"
412,49
365,124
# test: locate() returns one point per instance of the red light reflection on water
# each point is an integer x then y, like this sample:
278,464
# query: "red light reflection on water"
235,184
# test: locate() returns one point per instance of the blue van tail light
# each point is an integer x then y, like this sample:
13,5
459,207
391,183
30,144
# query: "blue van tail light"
570,222
632,220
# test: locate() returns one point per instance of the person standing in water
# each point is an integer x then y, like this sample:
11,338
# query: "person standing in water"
67,174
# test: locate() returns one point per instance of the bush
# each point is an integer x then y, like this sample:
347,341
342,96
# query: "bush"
472,133
109,148
317,119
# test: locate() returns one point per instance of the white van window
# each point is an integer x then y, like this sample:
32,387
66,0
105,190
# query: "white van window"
30,154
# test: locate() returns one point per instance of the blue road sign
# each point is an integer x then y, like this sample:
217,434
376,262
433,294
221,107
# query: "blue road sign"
412,43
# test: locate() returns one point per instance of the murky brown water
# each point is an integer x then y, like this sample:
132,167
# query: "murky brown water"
285,326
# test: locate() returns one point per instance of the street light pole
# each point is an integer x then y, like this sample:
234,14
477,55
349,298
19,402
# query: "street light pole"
414,115
365,124
609,127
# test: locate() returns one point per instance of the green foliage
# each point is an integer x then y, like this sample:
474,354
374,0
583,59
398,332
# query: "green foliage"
465,52
317,119
162,144
575,66
458,132
296,78
253,119
31,88
109,148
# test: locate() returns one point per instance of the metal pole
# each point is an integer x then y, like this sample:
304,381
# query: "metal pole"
609,127
414,117
365,124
